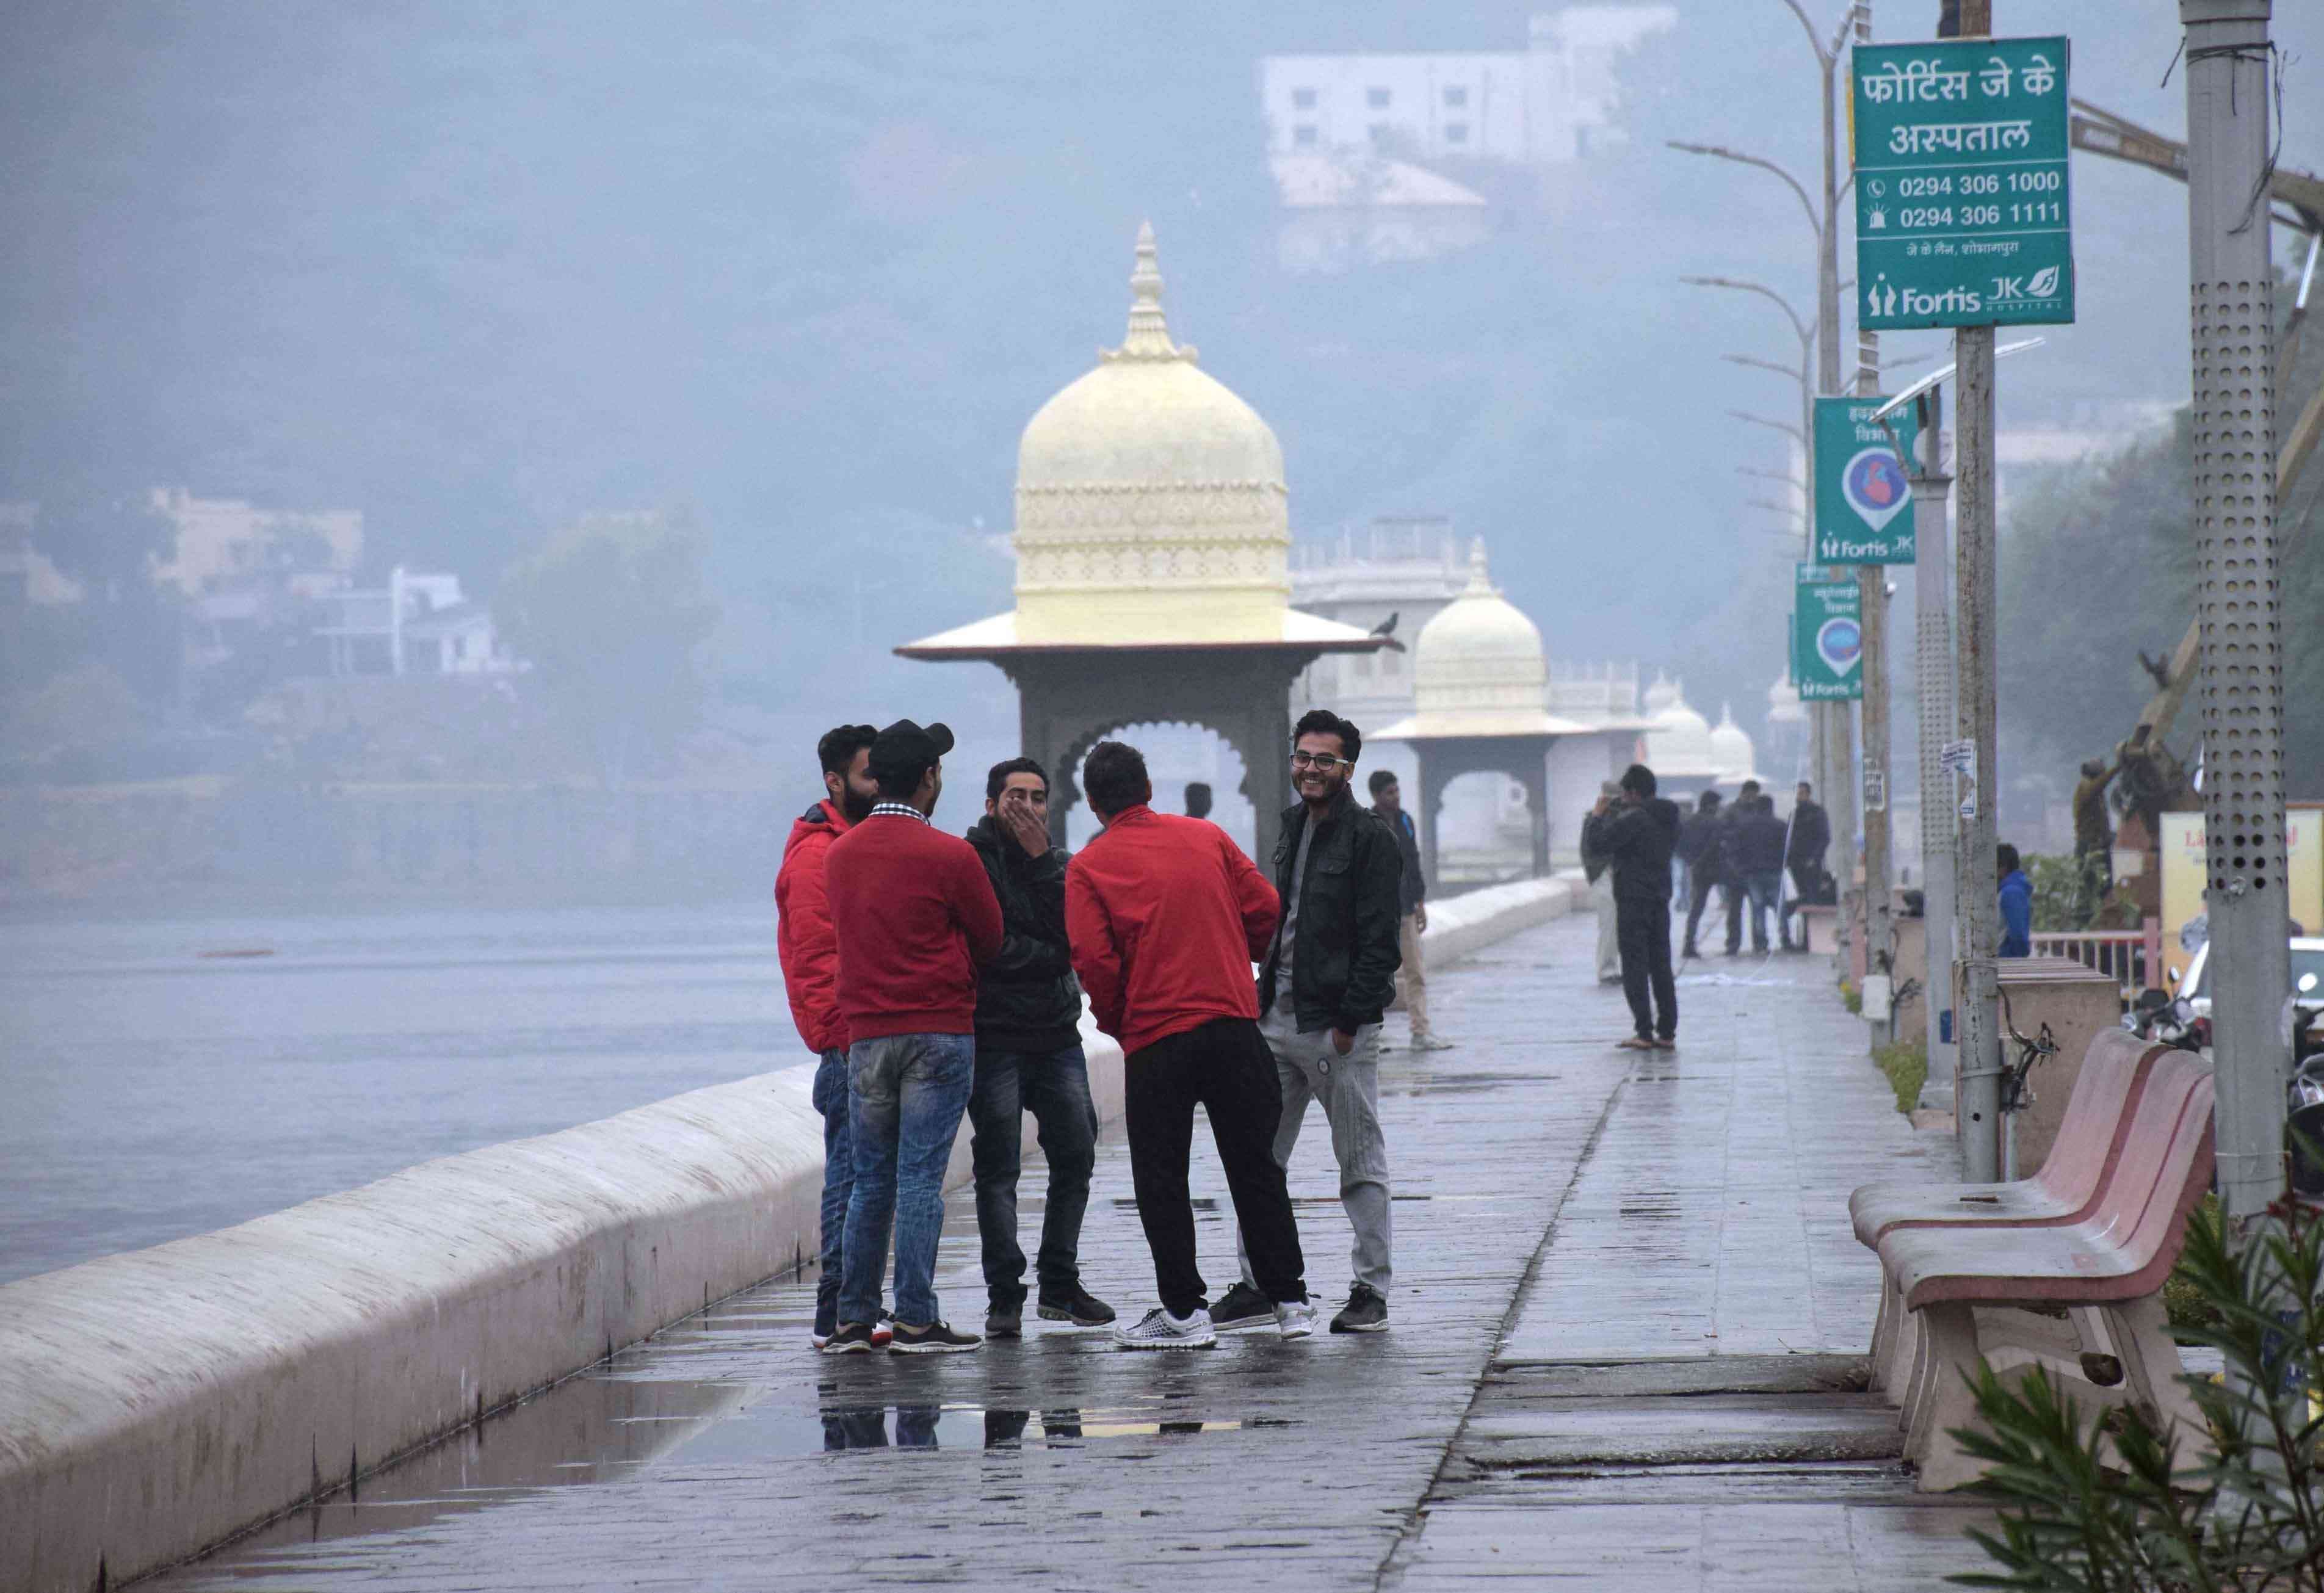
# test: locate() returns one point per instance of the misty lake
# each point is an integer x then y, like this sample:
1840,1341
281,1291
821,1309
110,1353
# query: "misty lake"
158,1079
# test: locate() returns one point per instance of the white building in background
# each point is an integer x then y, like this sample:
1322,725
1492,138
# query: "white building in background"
221,540
418,623
1688,755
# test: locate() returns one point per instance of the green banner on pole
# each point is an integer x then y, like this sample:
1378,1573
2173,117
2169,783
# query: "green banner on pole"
1863,496
1963,209
1828,635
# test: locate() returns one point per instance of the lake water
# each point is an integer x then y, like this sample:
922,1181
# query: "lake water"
152,1087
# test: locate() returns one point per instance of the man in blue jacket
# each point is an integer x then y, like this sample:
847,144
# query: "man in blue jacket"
2017,903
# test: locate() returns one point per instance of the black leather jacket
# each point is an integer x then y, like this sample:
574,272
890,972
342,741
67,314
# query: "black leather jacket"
1027,996
1344,959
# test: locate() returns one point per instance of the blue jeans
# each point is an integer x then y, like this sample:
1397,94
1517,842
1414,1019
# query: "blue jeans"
1760,886
1054,1086
830,1098
905,1096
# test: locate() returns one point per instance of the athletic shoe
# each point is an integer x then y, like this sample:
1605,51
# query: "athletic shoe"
1240,1308
1077,1306
884,1329
852,1339
1158,1329
1663,1044
936,1339
1294,1319
1431,1043
1365,1313
1004,1324
1635,1042
826,1323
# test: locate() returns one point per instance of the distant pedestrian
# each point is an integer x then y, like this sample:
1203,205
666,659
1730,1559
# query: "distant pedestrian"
808,950
1754,843
1598,872
2016,903
915,916
1166,915
1329,975
1637,837
1029,1059
1804,854
1703,845
1412,906
1198,800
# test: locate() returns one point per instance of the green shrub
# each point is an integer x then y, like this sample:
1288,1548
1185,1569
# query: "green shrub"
1851,997
1906,1064
2138,1514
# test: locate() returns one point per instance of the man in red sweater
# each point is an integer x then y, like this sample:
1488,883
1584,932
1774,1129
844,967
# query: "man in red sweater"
809,950
914,915
1166,914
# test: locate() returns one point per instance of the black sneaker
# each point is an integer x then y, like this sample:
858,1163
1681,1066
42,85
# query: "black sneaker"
1005,1322
852,1339
936,1339
1240,1308
1077,1306
826,1322
1365,1311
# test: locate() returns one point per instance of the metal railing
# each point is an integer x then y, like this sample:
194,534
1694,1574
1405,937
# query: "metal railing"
2132,958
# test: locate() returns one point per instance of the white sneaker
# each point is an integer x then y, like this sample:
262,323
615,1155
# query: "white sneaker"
1294,1319
1158,1329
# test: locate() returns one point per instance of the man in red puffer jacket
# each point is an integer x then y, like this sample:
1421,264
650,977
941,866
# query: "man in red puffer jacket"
809,950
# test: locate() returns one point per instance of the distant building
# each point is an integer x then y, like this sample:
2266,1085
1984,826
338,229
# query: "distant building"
222,537
418,623
27,578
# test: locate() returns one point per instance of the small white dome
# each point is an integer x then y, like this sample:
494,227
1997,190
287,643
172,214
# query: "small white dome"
1660,695
1680,742
1479,661
1783,705
1731,752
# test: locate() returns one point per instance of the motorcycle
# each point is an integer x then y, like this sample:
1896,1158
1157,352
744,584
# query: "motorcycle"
2156,1015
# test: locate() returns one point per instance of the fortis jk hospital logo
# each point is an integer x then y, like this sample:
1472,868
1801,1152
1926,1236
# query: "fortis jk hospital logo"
1885,299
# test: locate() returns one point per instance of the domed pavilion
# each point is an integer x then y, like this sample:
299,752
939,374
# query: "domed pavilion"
1480,689
1153,577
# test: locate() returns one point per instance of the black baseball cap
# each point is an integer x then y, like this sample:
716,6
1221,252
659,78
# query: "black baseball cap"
904,749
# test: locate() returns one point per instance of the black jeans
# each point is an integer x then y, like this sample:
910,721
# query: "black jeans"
1643,930
1225,1067
1054,1086
1699,899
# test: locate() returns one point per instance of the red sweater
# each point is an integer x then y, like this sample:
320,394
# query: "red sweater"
803,936
1166,915
914,915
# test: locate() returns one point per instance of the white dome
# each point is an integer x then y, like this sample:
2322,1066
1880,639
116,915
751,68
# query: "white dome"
1731,752
1149,498
1660,695
1783,703
1680,742
1479,662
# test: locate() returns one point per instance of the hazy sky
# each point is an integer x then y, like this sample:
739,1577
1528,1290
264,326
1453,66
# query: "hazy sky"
471,268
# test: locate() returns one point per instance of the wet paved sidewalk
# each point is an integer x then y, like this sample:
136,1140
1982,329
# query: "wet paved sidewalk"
1674,1380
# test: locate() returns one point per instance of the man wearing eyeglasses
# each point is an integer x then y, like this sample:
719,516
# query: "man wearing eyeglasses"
1329,975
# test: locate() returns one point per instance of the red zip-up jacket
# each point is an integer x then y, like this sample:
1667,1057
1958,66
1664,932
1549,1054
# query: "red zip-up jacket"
1166,916
915,915
804,941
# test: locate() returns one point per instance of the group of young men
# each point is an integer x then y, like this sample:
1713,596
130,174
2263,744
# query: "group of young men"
939,977
1742,849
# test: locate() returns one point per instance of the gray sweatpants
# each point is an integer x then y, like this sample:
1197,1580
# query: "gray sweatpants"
1307,1067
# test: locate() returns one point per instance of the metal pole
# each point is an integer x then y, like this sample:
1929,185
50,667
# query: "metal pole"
1976,918
1838,774
2237,597
1872,586
1933,651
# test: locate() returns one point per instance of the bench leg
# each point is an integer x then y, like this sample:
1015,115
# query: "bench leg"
2141,1331
1944,1400
1886,1327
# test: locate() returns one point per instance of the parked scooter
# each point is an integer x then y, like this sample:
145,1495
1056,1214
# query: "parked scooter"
2157,1017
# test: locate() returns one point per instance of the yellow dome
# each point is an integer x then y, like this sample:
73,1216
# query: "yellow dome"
1477,664
1149,498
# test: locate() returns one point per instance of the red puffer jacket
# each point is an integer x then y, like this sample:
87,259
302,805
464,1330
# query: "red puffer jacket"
803,937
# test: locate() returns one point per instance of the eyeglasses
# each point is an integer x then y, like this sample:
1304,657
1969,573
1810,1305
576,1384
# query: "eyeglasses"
1322,761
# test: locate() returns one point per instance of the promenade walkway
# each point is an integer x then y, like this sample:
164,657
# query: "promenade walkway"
1627,1315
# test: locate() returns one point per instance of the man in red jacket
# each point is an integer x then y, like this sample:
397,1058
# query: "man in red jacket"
914,915
1166,914
809,952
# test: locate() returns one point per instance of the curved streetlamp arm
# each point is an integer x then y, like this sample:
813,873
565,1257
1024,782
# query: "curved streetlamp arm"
1775,476
1720,153
1793,371
1805,333
1794,432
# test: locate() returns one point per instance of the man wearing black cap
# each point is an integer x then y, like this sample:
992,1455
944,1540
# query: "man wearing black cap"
915,916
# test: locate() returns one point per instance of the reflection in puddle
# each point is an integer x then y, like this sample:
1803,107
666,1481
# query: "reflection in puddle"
932,1427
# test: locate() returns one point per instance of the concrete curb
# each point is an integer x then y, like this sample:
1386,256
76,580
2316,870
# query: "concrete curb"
155,1403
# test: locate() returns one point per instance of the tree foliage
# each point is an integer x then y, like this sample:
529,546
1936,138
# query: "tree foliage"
609,612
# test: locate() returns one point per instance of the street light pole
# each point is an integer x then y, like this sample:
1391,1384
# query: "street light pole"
1872,587
2239,608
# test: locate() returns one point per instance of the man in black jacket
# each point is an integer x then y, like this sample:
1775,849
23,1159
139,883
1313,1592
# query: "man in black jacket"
1756,858
1811,839
1637,837
1328,977
1028,1058
1703,848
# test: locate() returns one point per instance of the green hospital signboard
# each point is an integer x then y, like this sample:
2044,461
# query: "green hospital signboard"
1963,207
1863,498
1828,635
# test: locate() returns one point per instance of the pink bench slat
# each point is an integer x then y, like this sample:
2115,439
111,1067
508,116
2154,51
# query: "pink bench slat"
2122,1251
2070,1182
